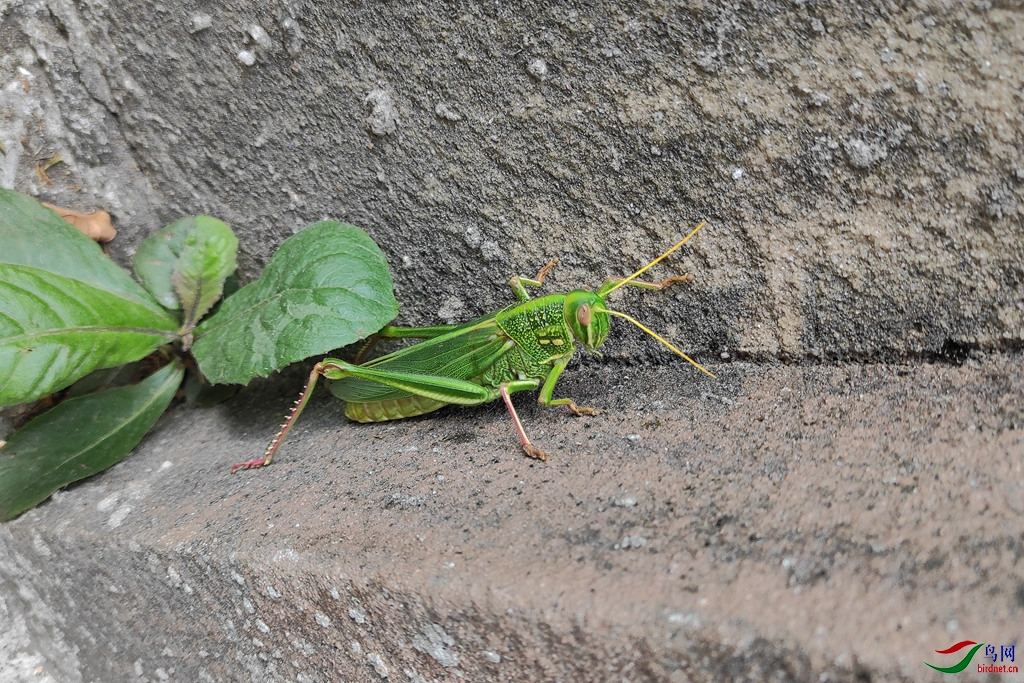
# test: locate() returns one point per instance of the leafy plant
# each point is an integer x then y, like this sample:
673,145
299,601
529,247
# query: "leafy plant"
71,317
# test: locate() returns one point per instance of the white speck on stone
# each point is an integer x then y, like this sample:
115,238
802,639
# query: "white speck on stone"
165,465
293,36
624,502
238,578
357,615
952,626
631,542
538,68
863,154
689,620
322,619
335,594
414,676
173,577
288,554
40,545
108,503
819,99
248,606
355,647
383,118
137,666
451,310
377,662
162,675
262,626
120,514
446,112
633,438
433,641
273,593
259,36
200,21
246,57
492,657
737,173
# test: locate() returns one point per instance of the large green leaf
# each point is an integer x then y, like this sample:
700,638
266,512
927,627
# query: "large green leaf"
326,287
159,256
65,308
80,437
206,261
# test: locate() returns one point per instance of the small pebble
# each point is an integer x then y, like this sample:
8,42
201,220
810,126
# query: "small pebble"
538,68
737,173
200,22
629,542
246,57
447,113
322,619
259,36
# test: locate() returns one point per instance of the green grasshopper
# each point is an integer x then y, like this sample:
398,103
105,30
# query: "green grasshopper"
523,347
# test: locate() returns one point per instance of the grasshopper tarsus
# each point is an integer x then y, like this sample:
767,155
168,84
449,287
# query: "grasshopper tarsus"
532,451
545,269
581,411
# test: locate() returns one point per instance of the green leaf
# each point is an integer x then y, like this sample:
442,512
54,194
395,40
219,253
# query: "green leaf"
158,256
65,308
80,437
205,262
326,287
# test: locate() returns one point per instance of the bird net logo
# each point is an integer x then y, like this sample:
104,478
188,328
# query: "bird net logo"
1000,659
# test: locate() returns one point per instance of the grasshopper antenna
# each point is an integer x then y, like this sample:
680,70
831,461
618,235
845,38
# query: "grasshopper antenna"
674,248
289,422
664,342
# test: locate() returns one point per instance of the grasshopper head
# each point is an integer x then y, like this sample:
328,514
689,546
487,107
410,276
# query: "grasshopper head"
585,315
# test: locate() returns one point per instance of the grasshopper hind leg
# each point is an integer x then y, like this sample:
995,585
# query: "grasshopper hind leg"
289,422
524,441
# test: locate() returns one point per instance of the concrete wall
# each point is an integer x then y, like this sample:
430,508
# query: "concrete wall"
860,164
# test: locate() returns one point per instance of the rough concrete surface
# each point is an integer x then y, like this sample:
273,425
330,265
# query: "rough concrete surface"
833,523
846,499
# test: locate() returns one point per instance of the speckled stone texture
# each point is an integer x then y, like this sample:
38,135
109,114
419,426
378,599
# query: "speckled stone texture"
844,501
831,523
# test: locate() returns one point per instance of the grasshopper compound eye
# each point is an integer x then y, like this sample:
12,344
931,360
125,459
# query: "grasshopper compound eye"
583,315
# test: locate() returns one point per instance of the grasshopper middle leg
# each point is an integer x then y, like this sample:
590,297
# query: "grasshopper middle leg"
518,283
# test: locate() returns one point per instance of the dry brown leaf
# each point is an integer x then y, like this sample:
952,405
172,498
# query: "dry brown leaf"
95,225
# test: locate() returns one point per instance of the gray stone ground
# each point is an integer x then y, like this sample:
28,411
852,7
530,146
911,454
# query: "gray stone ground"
845,500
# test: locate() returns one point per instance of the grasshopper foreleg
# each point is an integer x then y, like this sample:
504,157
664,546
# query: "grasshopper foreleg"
548,389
